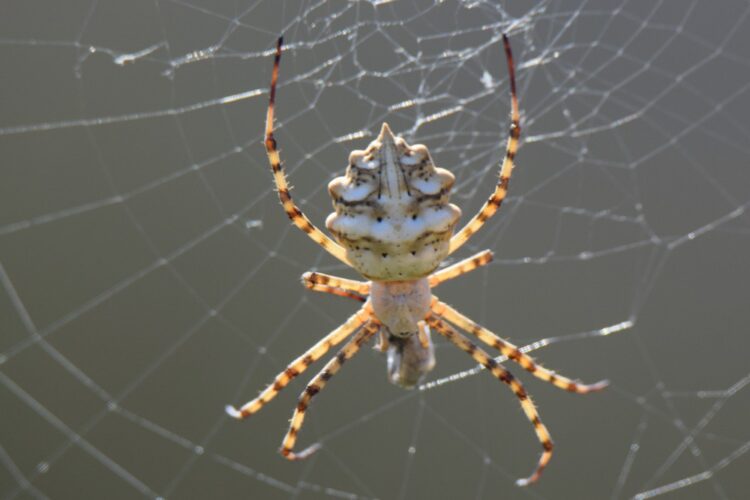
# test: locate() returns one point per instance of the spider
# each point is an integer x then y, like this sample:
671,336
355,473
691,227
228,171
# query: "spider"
394,224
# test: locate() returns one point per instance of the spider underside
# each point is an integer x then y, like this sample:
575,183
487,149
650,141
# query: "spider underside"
394,224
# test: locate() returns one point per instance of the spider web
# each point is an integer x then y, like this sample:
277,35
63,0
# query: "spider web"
149,276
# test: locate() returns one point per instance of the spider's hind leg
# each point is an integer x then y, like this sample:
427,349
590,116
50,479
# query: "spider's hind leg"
294,213
493,203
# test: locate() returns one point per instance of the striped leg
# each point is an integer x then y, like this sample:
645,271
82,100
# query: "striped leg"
316,385
496,199
295,214
467,265
301,364
505,376
319,282
512,352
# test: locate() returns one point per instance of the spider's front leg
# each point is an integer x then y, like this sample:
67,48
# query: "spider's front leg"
301,364
506,377
512,352
317,384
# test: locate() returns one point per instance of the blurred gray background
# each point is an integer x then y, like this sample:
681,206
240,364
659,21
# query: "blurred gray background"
149,275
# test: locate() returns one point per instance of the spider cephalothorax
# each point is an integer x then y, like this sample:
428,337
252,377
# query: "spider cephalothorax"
394,225
392,211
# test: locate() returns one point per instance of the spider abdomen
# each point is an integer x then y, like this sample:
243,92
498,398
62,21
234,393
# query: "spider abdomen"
392,211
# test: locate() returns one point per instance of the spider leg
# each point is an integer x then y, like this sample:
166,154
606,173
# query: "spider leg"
301,364
423,334
462,267
505,376
501,190
337,291
383,343
319,282
295,214
512,352
316,385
